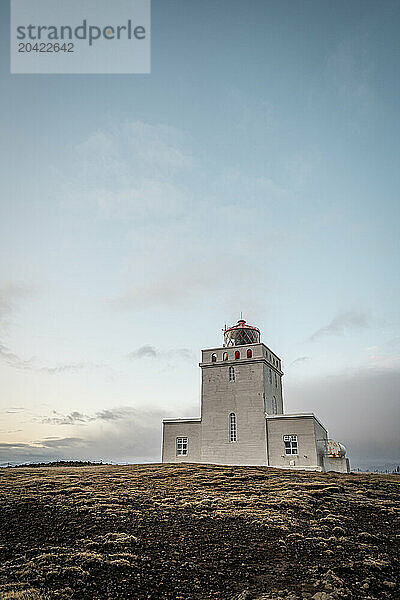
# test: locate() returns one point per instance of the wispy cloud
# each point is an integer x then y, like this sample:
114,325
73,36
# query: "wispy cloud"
392,343
130,170
13,360
349,71
255,185
107,414
148,351
299,360
71,367
346,321
10,294
14,445
72,418
115,414
61,443
9,358
176,287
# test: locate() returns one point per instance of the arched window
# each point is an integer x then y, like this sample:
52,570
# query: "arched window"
225,356
237,354
232,428
249,353
274,406
213,357
231,373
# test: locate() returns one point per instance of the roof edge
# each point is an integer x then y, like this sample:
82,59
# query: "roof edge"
295,416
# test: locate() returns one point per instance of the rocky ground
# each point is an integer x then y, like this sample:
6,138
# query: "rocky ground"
197,532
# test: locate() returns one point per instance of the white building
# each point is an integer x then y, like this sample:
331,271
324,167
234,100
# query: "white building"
242,418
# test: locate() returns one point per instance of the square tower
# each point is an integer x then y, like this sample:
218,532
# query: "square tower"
241,383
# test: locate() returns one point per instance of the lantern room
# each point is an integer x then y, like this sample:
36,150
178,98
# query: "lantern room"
241,334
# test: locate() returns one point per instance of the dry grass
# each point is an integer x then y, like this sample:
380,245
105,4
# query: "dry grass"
27,594
196,532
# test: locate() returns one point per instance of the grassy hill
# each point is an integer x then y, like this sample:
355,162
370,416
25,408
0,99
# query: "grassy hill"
197,532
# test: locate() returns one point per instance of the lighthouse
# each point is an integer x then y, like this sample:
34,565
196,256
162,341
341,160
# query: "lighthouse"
242,419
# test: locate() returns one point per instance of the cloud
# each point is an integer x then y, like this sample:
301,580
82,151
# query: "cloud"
70,419
120,434
9,358
115,414
342,323
392,343
184,353
13,360
360,407
61,443
71,367
78,418
132,149
349,73
177,287
10,293
14,445
299,360
108,414
146,351
132,170
236,181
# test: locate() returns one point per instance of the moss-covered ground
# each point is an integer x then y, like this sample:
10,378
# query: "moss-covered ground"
197,532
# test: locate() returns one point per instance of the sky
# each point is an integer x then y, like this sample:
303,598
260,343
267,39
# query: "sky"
256,169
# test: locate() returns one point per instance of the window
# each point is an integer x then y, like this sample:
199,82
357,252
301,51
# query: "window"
237,354
270,376
276,381
232,428
181,446
225,357
231,373
213,357
290,442
249,353
274,406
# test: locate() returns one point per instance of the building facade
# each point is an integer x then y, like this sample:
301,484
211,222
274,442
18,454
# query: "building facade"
242,418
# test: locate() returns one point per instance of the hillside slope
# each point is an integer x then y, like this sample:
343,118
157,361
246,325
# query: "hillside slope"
197,532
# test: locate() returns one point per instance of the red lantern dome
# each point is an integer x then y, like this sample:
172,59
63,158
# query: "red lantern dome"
241,334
